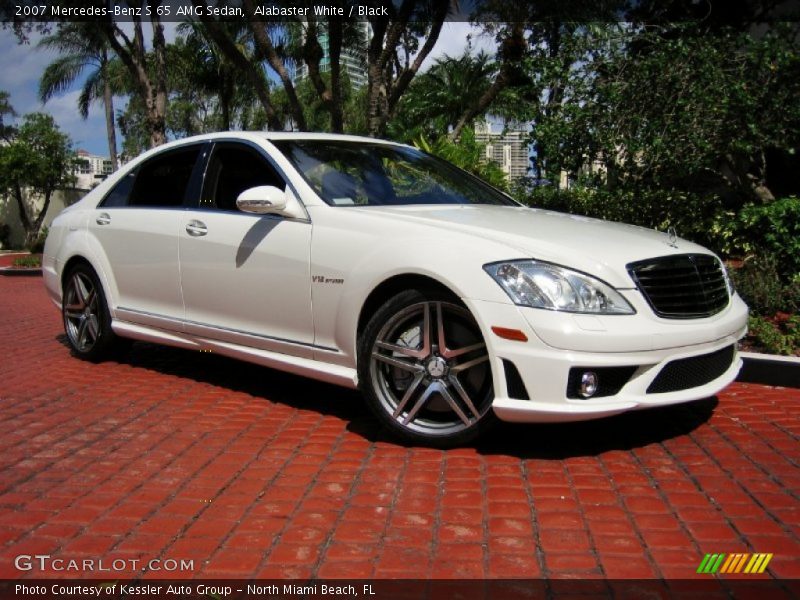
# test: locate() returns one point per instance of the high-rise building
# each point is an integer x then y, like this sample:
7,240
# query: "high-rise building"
508,147
353,61
91,169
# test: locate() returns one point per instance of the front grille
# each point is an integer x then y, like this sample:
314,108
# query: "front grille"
684,286
687,373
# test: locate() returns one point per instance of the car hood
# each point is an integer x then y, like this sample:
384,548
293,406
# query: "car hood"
600,248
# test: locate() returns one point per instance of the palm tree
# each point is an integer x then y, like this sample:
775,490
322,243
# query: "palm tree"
82,46
436,99
211,71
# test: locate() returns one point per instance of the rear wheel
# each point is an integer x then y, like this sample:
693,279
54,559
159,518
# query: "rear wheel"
87,321
424,369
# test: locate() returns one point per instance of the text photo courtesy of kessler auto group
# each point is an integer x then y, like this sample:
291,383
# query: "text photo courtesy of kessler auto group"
399,299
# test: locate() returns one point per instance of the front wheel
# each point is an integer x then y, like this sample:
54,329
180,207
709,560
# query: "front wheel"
424,369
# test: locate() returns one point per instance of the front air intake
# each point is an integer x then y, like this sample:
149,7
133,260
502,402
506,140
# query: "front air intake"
687,373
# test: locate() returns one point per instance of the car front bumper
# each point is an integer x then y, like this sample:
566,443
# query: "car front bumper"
557,342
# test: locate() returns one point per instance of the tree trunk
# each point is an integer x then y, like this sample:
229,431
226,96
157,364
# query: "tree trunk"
335,52
242,64
758,182
133,55
111,132
224,103
376,101
23,212
511,55
265,47
376,85
37,224
158,134
405,77
312,56
736,172
481,105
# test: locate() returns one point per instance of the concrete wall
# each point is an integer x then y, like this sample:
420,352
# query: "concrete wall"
9,212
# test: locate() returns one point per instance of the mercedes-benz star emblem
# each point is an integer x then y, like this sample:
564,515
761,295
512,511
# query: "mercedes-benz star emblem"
673,237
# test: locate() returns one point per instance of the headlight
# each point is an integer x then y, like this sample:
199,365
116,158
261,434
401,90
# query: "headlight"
544,285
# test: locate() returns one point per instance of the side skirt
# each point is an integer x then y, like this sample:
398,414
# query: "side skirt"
305,367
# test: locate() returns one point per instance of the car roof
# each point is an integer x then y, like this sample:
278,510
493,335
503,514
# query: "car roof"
270,136
279,136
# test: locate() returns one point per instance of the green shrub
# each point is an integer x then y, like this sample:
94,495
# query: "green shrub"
690,214
767,229
37,245
759,283
31,261
777,336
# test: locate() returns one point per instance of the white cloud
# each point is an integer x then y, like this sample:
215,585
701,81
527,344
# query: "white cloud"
22,63
88,134
453,41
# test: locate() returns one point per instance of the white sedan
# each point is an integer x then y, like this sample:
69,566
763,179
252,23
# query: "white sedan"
372,265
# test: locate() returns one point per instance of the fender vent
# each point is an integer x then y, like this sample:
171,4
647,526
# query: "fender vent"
514,386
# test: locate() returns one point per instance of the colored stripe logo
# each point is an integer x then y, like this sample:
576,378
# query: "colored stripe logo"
734,563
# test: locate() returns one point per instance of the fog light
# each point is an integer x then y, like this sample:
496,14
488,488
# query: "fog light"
589,384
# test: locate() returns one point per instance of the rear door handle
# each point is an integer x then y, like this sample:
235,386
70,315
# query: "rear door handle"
196,228
103,219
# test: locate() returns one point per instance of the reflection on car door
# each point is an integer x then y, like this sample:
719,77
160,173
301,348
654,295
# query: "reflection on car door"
136,225
245,278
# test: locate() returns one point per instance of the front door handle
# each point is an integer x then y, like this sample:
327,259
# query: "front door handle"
196,228
103,219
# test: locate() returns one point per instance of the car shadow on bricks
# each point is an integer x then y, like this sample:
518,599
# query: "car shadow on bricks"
234,375
547,441
626,431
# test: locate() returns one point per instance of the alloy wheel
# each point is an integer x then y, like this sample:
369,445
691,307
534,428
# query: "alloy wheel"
429,369
82,312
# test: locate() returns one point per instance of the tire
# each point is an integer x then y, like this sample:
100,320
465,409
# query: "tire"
87,320
421,390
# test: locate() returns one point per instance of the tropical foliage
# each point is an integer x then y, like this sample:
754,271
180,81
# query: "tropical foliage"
81,47
34,163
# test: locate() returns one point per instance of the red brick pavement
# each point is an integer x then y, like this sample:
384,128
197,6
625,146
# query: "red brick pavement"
250,472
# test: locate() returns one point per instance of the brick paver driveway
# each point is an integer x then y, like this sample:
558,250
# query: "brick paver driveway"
250,472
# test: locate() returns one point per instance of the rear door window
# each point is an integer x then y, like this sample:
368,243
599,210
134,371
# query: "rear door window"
161,182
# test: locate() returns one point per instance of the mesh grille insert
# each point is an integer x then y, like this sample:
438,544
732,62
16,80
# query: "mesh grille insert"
687,373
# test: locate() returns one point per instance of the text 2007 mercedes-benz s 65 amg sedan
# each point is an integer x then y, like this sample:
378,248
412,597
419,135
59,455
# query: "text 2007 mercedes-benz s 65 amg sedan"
371,264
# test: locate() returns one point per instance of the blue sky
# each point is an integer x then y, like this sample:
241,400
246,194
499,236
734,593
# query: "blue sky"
21,66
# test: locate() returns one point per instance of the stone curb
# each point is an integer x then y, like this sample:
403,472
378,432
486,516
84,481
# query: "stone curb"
770,369
17,272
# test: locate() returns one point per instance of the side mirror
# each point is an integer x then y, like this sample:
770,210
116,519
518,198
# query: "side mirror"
262,200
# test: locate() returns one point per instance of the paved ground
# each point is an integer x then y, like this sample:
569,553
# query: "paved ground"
250,472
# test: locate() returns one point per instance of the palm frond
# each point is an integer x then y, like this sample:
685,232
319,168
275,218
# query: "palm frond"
60,75
92,90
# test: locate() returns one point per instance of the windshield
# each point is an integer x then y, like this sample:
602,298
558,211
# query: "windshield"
364,174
